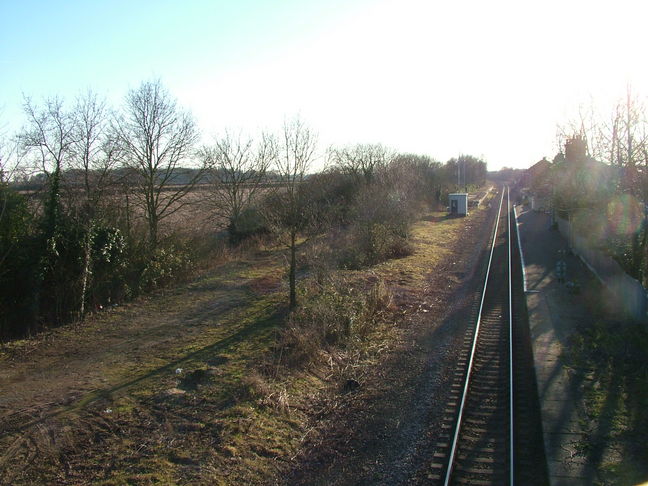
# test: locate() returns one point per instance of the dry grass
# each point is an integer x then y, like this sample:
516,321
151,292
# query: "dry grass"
106,404
434,240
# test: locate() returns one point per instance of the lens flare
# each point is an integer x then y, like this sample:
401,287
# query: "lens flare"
625,215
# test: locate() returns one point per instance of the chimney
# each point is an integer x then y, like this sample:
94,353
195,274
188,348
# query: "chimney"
575,149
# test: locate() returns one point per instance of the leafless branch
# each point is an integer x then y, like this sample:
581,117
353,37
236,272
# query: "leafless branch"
236,168
156,137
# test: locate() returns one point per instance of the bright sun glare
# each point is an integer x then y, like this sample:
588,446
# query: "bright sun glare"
441,78
484,78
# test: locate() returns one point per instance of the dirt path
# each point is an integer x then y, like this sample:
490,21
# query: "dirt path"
113,350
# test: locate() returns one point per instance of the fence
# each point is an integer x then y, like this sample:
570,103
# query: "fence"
626,293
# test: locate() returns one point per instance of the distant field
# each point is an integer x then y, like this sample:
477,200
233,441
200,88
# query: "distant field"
195,214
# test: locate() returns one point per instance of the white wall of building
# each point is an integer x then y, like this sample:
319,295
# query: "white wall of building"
458,203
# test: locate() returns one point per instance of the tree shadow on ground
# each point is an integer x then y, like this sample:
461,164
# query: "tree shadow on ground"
437,219
268,318
612,353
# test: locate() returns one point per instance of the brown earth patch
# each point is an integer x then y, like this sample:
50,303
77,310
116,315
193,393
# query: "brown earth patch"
265,285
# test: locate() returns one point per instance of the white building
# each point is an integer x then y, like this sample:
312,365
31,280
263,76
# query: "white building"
458,203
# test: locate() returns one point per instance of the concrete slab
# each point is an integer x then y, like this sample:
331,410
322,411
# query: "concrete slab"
554,314
561,420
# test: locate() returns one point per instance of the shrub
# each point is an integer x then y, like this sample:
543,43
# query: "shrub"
321,259
165,265
250,223
379,229
17,265
330,195
332,315
109,265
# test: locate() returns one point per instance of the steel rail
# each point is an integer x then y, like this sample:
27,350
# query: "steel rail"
455,439
510,303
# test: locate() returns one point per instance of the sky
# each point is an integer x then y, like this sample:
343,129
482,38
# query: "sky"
441,78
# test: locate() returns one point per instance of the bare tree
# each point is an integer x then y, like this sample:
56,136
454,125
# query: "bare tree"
9,167
620,139
156,137
10,160
236,169
362,161
96,153
608,138
50,134
7,161
71,148
627,147
49,140
631,141
287,210
586,126
93,161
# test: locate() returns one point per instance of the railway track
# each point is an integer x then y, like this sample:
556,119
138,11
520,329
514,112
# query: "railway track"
491,432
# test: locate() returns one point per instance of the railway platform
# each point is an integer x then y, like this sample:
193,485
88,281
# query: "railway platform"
554,313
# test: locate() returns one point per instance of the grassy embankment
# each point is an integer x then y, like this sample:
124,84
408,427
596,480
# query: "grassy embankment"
212,400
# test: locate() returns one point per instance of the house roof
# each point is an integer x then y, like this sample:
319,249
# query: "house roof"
537,179
539,168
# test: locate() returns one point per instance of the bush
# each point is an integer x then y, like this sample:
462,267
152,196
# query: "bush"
332,315
45,271
165,265
330,195
250,223
17,265
321,259
379,230
109,264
